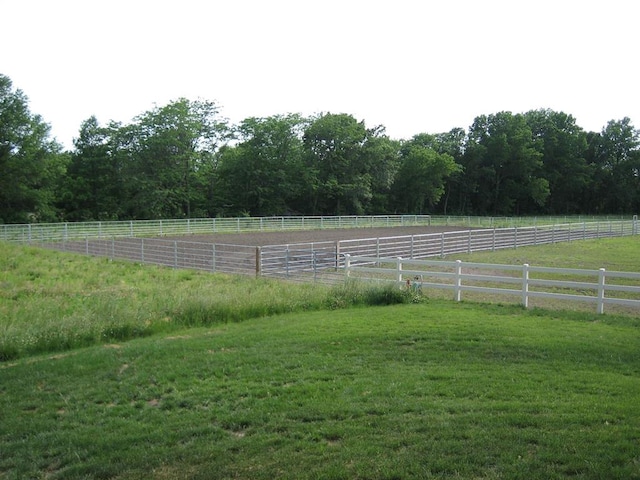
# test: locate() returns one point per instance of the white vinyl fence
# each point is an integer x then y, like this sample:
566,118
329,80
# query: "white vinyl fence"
599,287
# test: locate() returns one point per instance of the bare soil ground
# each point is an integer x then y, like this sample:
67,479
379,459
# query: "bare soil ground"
260,239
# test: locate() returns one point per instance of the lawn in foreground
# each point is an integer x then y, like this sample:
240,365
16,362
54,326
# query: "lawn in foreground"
433,390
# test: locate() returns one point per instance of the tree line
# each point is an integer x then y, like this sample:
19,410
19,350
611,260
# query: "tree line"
184,159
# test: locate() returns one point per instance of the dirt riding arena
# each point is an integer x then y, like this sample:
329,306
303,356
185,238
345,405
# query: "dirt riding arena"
279,253
259,239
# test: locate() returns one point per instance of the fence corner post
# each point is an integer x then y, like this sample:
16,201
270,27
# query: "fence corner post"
525,285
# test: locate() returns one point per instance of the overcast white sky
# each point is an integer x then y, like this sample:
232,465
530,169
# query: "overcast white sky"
413,66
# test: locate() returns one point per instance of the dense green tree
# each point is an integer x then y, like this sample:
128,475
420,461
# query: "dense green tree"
383,159
451,143
93,187
421,179
169,151
337,164
563,145
31,164
263,173
615,155
503,166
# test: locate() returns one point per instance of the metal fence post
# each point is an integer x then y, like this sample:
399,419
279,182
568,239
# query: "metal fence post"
258,261
175,254
213,257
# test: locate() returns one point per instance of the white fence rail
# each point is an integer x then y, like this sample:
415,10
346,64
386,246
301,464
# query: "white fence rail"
599,287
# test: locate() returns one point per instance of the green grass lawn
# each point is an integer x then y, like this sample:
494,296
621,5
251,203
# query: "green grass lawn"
247,378
432,390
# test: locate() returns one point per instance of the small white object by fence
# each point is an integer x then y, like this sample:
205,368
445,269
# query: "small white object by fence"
458,273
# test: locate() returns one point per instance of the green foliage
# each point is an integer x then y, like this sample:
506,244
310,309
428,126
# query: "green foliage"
31,165
262,173
422,176
183,160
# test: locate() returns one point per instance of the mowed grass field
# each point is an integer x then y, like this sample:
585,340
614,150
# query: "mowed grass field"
117,370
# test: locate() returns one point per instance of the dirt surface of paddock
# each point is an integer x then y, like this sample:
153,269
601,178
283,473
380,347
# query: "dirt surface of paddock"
260,239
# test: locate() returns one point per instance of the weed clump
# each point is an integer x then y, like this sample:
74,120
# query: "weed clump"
354,293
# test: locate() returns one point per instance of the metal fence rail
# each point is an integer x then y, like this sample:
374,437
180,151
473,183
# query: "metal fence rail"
468,241
49,232
319,261
52,232
210,257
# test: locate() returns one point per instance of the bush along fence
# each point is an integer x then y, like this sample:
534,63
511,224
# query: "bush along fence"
524,281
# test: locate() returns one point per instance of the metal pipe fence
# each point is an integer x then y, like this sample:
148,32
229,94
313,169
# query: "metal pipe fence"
53,232
319,261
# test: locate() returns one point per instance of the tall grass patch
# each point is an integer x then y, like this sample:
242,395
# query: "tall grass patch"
53,301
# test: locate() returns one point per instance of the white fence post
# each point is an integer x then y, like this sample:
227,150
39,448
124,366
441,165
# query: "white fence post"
525,285
601,282
347,265
458,290
399,270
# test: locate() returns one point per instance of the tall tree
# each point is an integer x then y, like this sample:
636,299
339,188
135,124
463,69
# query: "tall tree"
503,165
31,164
94,181
263,173
420,182
615,153
339,171
169,148
564,145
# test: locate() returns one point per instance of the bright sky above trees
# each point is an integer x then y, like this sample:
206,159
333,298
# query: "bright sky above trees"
411,66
